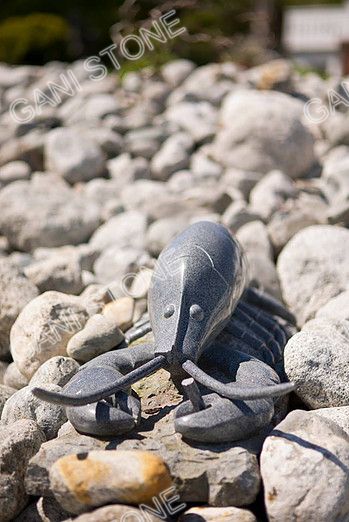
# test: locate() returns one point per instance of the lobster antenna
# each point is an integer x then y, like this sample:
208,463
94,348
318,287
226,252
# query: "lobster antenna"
87,398
231,391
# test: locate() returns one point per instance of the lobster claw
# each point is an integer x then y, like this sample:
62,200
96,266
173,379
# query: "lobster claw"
222,420
108,417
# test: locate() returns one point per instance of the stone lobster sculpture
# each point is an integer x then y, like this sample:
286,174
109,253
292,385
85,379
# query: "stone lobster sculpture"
222,344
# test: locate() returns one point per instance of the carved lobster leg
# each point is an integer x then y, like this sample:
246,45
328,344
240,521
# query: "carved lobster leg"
121,412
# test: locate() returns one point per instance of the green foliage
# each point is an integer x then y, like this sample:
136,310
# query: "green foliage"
35,38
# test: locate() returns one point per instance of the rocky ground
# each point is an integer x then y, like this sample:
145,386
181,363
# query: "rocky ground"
92,189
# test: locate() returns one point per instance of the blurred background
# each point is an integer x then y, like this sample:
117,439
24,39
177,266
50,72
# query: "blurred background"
248,32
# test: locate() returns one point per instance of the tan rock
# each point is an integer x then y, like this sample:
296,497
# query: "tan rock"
212,514
120,311
100,477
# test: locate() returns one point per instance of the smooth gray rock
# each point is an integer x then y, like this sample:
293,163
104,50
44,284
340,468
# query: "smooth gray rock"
173,156
263,131
24,405
73,156
57,370
62,275
317,360
18,443
296,214
45,212
254,239
43,329
313,267
99,335
15,292
269,194
304,465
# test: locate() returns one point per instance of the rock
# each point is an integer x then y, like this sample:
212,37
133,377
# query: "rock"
197,119
14,378
44,510
237,215
220,475
57,370
99,335
126,229
5,394
14,171
62,275
24,405
339,214
100,105
269,194
263,131
202,166
116,265
85,255
18,443
72,155
120,312
140,285
125,169
43,329
276,75
3,368
99,477
295,215
162,231
335,308
94,297
305,441
263,274
339,415
116,512
211,514
254,239
138,195
176,71
110,142
313,267
317,360
241,180
145,141
45,212
15,292
172,156
334,177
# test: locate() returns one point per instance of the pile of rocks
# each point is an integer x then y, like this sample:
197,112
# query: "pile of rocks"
91,190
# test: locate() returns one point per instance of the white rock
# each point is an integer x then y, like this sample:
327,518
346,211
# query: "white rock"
317,360
173,156
43,328
117,265
14,171
198,119
176,71
339,415
72,155
61,275
304,466
313,267
269,194
217,514
45,212
335,308
254,239
57,370
123,230
24,405
263,131
14,378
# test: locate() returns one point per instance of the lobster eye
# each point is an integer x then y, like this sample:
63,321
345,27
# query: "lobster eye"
196,312
169,310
